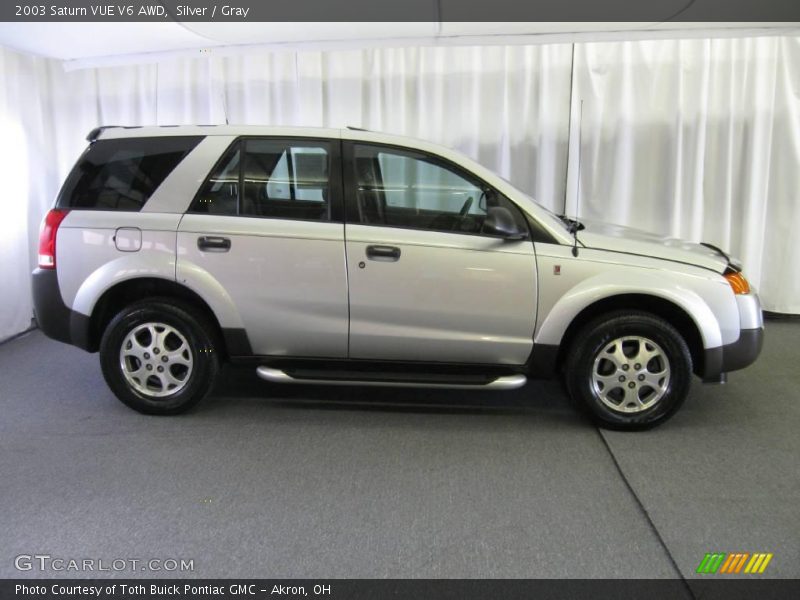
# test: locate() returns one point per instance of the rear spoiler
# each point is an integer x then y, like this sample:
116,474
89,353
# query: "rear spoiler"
95,133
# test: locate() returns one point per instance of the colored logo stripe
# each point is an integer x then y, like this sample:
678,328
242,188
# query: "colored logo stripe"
732,563
758,563
711,562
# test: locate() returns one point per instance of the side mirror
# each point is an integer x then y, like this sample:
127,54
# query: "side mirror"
500,222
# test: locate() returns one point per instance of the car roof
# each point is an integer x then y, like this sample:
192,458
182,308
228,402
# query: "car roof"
108,132
129,131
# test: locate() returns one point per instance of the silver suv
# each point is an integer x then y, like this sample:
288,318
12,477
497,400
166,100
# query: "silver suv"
331,256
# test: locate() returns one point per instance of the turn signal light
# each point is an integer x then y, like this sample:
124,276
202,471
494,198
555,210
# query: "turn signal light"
737,282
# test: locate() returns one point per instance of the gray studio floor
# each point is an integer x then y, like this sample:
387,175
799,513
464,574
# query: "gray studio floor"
356,482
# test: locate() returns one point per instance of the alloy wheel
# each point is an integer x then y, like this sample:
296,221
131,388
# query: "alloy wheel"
631,374
156,359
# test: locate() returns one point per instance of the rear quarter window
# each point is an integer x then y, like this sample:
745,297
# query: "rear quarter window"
122,174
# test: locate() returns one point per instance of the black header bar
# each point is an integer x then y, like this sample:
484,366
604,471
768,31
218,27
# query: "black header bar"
251,11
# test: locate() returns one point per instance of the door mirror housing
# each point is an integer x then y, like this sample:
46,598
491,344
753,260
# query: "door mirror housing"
500,222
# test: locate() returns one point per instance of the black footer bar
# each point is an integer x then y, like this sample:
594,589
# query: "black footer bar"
378,589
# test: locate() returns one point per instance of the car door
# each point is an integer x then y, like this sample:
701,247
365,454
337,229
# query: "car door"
266,231
426,283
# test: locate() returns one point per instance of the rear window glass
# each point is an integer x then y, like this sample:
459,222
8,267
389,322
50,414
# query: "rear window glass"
122,174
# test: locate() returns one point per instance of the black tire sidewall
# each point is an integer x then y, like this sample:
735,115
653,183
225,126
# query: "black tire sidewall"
190,325
596,336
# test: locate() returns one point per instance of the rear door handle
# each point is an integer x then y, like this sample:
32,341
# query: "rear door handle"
213,244
384,253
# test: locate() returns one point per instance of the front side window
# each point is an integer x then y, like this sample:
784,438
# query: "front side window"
122,174
269,178
396,188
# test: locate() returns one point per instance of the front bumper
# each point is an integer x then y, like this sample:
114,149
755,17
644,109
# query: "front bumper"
732,357
744,351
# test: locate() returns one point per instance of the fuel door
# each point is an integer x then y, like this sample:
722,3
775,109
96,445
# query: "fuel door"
128,239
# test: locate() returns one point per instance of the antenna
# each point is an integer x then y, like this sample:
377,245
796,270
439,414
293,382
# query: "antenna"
224,106
576,225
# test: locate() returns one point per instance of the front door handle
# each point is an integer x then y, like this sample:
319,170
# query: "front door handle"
209,243
384,253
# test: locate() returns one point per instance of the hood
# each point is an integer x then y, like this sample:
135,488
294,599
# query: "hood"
616,238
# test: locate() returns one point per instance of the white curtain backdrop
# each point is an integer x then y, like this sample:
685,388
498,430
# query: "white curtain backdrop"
29,177
697,138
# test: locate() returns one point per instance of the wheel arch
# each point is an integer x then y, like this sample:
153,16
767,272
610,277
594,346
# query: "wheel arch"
124,293
659,306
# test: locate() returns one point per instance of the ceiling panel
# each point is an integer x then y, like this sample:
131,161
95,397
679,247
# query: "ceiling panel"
97,44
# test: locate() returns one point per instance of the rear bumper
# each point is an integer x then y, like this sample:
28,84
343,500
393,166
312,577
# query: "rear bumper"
55,319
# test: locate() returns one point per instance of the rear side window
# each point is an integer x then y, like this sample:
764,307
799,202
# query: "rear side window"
220,193
279,179
122,174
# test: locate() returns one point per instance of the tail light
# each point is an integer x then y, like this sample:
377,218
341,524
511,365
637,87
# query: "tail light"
738,283
47,238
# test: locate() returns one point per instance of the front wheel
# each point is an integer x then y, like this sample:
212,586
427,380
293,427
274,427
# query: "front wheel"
158,356
630,370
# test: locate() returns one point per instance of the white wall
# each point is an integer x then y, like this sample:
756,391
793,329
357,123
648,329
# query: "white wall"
695,138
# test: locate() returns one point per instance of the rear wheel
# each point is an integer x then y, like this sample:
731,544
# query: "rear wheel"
158,356
630,370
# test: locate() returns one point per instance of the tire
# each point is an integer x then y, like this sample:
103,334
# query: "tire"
159,356
629,370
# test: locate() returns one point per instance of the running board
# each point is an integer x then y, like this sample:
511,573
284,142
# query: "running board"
505,382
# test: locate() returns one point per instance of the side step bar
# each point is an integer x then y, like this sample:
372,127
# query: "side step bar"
506,382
